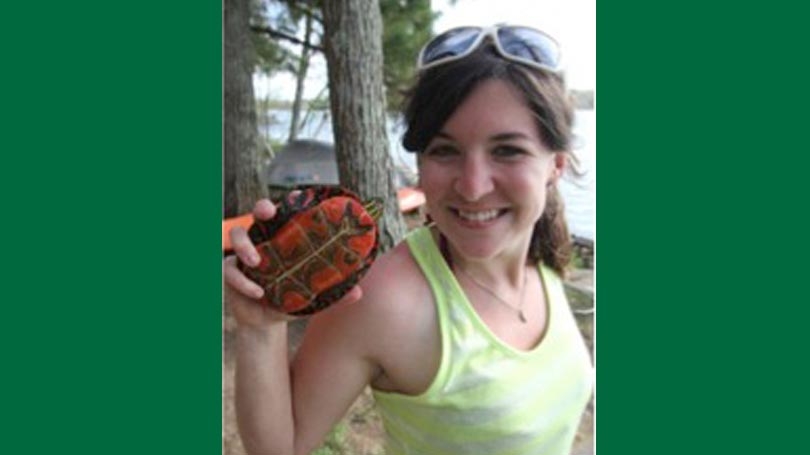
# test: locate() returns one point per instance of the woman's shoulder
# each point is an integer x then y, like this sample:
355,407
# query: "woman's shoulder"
392,277
393,280
394,324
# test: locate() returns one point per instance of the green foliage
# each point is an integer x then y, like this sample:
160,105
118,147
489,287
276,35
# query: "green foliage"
284,17
407,26
280,16
335,443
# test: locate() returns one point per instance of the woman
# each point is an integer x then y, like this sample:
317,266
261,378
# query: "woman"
462,330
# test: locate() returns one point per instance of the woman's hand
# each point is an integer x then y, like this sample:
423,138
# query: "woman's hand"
241,293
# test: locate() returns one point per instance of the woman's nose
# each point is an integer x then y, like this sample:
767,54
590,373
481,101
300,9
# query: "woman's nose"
475,178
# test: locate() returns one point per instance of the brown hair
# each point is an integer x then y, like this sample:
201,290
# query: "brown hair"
437,93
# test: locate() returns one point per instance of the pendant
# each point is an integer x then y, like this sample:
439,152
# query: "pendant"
521,316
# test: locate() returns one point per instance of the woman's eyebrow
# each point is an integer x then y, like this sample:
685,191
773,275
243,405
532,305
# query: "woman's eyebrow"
508,136
500,137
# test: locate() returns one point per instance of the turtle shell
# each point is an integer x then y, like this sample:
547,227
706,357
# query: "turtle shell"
317,247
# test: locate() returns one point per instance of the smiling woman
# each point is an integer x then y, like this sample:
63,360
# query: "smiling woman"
486,173
493,136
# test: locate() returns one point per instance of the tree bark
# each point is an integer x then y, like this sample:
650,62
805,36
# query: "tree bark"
242,184
300,78
353,45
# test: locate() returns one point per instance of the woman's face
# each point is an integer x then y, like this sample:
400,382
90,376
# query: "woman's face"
485,174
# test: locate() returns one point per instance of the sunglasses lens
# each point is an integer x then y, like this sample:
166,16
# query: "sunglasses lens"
450,44
529,44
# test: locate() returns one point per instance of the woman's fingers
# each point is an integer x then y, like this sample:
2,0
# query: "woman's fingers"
237,281
264,210
243,247
240,241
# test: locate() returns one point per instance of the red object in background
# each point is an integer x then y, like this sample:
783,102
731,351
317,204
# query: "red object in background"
410,199
243,221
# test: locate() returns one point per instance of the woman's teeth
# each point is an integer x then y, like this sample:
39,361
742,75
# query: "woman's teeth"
478,216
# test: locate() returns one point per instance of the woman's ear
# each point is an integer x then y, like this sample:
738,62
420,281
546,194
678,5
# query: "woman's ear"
558,163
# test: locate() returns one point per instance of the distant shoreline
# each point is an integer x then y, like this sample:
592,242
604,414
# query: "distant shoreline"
583,99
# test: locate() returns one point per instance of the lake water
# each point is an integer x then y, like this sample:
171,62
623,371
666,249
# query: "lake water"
579,193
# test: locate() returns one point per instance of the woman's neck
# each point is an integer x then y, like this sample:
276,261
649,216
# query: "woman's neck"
504,266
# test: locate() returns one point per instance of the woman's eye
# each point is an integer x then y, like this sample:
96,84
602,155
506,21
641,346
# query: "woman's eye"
441,151
507,151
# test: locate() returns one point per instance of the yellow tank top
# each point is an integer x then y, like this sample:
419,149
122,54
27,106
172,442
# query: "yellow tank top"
487,397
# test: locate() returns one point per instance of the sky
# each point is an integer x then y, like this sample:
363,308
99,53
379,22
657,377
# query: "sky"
571,22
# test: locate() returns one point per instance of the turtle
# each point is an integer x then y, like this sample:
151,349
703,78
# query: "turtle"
321,242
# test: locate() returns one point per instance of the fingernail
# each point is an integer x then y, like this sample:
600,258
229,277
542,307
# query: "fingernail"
255,259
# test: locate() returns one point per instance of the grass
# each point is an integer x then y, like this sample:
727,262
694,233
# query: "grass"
335,443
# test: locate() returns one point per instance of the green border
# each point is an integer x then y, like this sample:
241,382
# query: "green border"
111,182
701,256
111,191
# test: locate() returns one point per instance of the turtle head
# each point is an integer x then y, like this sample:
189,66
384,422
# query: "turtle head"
374,207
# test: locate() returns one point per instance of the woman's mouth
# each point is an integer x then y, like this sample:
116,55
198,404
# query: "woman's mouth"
478,216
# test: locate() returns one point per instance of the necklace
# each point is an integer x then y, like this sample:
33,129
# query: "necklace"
445,251
519,308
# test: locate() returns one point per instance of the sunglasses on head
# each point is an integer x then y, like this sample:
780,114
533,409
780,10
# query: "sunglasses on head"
523,45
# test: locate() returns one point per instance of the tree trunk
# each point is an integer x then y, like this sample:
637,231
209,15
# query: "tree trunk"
353,45
242,184
303,67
